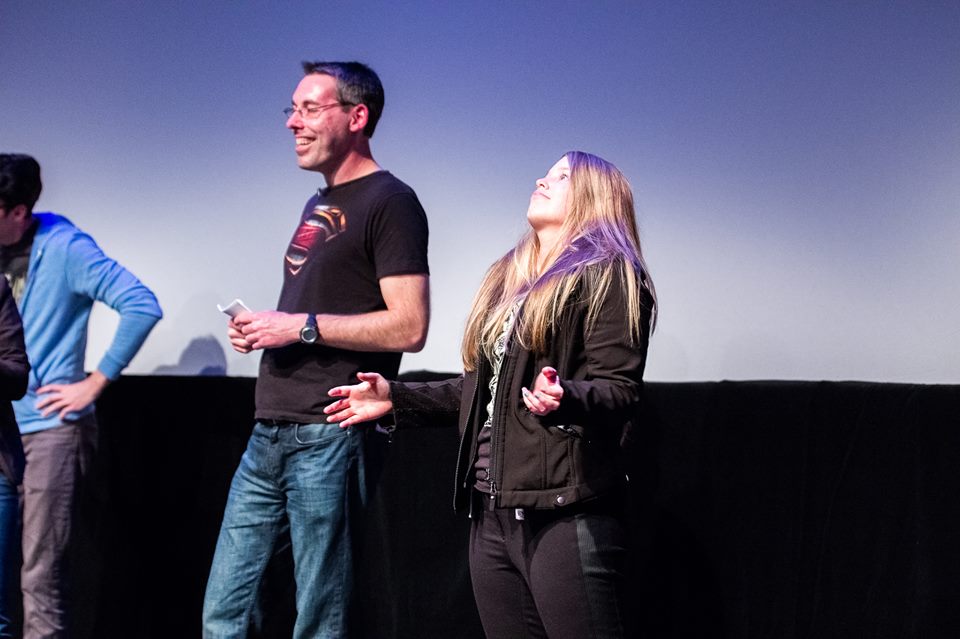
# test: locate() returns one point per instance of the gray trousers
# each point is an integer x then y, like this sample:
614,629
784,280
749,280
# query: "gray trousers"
57,461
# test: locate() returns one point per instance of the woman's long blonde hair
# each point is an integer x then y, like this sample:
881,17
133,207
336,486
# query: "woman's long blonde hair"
599,231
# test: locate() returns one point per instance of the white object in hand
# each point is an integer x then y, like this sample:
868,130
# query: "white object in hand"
234,308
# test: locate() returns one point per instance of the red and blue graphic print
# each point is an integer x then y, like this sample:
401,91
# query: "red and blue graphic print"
322,224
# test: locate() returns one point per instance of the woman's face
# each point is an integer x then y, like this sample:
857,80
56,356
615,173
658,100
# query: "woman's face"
548,203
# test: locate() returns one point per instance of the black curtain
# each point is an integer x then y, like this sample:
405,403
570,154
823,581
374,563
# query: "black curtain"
759,510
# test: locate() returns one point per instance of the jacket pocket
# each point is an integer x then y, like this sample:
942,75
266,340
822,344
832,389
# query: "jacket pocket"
571,431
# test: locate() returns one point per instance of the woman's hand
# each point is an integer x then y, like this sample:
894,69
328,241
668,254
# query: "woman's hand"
546,394
363,402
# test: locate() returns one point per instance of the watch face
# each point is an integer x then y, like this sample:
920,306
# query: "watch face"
308,334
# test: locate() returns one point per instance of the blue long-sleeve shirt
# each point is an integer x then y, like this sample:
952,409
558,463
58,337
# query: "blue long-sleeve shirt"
67,273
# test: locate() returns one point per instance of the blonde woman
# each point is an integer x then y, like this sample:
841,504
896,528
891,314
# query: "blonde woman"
553,356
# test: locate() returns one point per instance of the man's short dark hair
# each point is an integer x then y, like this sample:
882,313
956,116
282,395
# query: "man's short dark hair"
19,180
356,84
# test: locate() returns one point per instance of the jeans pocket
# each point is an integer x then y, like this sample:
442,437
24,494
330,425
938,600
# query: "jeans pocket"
318,433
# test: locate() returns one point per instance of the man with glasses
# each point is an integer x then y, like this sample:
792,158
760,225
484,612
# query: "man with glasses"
354,297
57,272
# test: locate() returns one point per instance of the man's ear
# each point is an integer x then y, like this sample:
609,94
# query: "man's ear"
19,213
359,117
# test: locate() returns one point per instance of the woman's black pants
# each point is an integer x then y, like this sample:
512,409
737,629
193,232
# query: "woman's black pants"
554,574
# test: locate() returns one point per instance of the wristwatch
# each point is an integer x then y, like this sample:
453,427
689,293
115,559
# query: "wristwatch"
309,332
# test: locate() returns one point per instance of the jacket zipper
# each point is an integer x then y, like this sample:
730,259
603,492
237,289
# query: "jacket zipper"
569,431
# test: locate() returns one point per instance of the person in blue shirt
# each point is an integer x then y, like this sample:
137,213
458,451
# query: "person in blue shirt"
57,272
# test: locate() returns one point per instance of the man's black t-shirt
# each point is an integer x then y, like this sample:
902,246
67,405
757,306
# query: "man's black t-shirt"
349,237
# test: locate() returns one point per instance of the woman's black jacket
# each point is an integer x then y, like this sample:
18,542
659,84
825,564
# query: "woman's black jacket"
562,458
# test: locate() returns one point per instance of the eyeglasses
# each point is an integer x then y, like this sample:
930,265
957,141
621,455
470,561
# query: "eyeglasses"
312,110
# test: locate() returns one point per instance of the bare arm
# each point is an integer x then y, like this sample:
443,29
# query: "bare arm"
402,326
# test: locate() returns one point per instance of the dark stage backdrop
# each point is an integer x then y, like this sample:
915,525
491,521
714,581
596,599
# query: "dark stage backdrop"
759,510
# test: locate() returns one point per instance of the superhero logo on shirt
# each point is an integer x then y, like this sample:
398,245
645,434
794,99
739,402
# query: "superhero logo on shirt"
322,224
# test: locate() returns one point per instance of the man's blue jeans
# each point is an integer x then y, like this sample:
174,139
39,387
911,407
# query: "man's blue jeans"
9,541
310,478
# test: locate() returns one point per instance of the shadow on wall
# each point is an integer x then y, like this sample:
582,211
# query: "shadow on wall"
203,356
